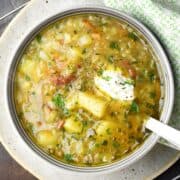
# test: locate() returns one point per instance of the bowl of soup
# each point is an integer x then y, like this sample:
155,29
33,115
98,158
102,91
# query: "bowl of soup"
61,98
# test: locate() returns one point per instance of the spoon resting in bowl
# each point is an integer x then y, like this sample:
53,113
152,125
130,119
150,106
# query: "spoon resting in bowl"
168,133
114,84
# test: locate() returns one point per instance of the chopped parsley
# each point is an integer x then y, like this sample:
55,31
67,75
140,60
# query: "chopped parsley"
108,131
151,76
38,38
85,123
107,78
114,45
27,78
115,144
105,142
129,81
97,145
59,102
133,36
111,59
84,51
68,157
152,95
33,93
100,71
134,107
30,127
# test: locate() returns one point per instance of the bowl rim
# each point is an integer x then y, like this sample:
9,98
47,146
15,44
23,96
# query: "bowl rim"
158,50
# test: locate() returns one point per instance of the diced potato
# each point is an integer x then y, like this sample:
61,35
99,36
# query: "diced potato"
47,138
25,85
72,125
72,101
107,157
28,66
106,128
91,103
43,55
67,38
74,54
85,40
80,148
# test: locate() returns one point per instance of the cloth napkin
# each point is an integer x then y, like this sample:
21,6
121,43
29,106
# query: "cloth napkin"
162,17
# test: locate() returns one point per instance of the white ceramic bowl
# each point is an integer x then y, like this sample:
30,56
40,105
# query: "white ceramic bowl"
164,73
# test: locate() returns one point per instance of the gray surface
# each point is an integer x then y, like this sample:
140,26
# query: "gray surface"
7,6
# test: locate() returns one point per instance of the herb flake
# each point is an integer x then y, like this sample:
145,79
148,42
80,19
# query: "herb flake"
111,59
68,157
114,45
115,144
133,36
59,102
134,107
39,38
107,78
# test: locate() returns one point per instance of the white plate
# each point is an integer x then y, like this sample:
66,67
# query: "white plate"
154,163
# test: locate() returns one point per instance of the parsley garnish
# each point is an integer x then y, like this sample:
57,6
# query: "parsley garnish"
100,71
107,78
151,76
111,59
85,123
134,107
115,144
38,38
59,102
133,36
108,131
105,142
84,51
152,95
114,45
27,78
68,157
129,81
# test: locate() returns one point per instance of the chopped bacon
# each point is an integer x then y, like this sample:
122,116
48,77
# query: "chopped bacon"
61,41
60,124
39,123
79,66
96,36
125,64
62,80
88,24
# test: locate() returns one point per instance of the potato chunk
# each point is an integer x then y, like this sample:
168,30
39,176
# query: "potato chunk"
47,138
72,125
106,128
91,103
85,40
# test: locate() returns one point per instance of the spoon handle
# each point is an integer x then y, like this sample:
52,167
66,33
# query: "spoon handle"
170,134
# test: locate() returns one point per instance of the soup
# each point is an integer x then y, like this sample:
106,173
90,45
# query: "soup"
66,93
